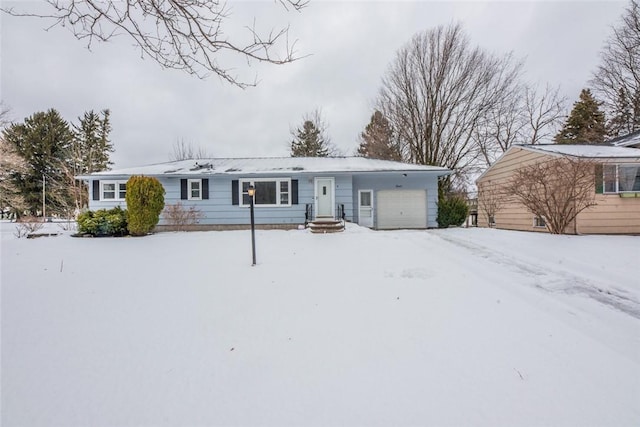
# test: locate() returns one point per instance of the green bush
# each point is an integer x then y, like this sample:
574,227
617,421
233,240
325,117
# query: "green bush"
112,222
145,201
452,211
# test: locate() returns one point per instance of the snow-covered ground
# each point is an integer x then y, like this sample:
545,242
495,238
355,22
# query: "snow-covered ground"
445,327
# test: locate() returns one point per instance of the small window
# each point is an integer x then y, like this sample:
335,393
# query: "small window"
109,191
365,199
609,179
492,221
113,190
284,192
122,190
539,221
194,187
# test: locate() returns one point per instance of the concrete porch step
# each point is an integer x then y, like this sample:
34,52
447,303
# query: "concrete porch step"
326,226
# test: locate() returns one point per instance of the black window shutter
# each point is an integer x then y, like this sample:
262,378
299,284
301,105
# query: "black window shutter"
205,188
96,189
183,189
294,191
599,179
234,193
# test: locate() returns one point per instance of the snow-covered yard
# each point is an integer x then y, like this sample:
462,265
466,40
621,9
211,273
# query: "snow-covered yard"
444,327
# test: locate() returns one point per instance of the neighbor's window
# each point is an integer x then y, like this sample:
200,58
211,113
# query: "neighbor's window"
621,178
628,178
194,187
609,178
539,222
113,190
492,220
269,192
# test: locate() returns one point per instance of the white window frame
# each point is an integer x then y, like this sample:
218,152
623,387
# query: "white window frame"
278,182
617,178
190,189
117,190
537,220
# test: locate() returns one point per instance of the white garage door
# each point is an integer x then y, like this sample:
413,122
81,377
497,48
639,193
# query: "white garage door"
402,209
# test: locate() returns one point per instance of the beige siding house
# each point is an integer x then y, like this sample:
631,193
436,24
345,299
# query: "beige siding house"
616,188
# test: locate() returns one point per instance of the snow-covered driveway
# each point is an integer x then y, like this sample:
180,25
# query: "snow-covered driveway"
443,327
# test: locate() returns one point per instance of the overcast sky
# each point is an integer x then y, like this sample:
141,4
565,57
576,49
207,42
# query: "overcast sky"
350,45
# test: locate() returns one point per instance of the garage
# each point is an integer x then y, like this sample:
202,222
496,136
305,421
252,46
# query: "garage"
402,209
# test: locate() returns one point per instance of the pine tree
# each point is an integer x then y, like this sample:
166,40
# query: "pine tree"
311,140
91,142
43,141
585,124
376,142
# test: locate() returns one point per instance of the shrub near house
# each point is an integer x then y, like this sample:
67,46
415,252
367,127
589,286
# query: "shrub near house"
103,222
145,201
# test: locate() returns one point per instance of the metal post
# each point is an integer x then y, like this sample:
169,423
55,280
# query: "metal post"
44,213
253,229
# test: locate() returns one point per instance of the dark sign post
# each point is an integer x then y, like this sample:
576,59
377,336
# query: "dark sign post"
252,192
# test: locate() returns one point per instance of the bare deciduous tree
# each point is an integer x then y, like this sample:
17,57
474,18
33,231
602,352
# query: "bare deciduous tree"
616,81
181,34
556,190
491,198
437,92
544,112
186,151
524,115
502,126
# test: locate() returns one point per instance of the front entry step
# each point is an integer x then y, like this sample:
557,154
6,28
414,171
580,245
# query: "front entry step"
326,226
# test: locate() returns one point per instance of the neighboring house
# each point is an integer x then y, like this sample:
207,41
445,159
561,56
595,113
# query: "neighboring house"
632,140
289,191
616,188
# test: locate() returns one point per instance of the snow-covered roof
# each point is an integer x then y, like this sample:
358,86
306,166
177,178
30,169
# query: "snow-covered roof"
587,151
631,140
601,152
271,166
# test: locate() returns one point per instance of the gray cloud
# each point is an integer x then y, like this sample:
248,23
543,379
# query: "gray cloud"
350,46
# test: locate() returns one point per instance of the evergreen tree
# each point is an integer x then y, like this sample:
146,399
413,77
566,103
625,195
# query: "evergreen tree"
11,163
585,124
310,139
89,152
91,142
376,142
43,141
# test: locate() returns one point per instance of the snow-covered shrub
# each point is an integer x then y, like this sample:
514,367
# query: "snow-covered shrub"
179,218
145,201
112,222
